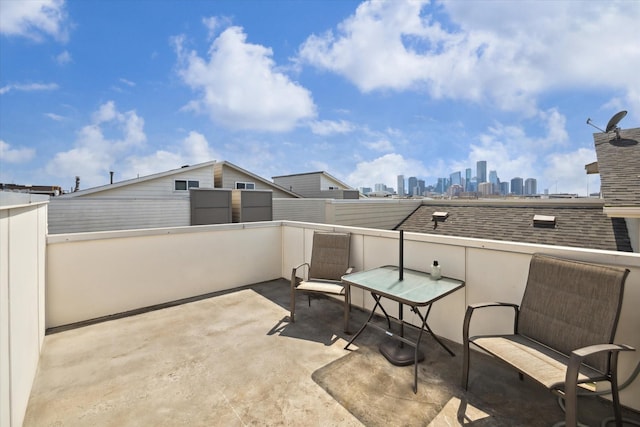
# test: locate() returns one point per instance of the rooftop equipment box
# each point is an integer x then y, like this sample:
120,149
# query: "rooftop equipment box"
210,206
252,205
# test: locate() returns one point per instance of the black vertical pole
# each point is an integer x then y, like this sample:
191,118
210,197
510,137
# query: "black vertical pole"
401,269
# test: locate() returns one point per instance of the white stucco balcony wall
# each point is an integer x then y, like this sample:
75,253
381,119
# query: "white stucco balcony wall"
91,275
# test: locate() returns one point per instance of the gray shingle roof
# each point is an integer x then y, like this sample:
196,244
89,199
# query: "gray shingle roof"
619,166
578,224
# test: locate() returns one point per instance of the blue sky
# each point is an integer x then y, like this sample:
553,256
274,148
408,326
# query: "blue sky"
363,90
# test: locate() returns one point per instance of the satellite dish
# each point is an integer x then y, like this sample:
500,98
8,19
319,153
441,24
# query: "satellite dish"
613,123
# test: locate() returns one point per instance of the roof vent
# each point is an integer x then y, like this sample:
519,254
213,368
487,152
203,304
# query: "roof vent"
437,217
544,221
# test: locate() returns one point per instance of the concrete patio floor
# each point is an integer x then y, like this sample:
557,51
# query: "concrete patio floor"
234,359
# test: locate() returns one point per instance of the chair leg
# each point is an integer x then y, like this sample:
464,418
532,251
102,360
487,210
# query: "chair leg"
292,307
615,396
571,405
465,363
617,412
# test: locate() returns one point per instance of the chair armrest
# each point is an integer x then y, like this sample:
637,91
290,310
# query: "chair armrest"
294,277
576,358
472,307
583,352
491,304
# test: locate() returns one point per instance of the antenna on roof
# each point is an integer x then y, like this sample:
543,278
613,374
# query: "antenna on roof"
613,123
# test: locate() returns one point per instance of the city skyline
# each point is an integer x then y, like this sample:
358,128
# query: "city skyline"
468,183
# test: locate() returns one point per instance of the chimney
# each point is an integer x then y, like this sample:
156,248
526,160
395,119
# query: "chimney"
77,184
111,177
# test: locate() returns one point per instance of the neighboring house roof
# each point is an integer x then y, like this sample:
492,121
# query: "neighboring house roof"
579,222
51,190
258,178
177,171
138,180
327,175
619,166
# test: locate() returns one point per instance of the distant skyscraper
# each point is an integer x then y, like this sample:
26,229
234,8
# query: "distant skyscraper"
481,171
401,185
413,183
517,186
530,187
456,178
467,180
493,177
486,188
420,185
504,188
380,187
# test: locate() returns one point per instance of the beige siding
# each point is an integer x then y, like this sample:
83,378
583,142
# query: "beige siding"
304,210
226,177
382,214
159,187
305,185
326,183
103,214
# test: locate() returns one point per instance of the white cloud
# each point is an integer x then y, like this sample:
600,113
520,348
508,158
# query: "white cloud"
193,149
106,112
63,58
127,82
367,44
55,117
100,146
28,87
317,165
331,127
384,170
214,24
34,18
15,155
380,145
565,173
239,86
504,52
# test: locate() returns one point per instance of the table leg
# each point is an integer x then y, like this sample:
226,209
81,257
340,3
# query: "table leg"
425,325
377,298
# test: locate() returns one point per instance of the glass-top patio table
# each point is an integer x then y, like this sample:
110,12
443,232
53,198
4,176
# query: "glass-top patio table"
407,287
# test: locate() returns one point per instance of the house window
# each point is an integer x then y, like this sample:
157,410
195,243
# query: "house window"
245,186
184,184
